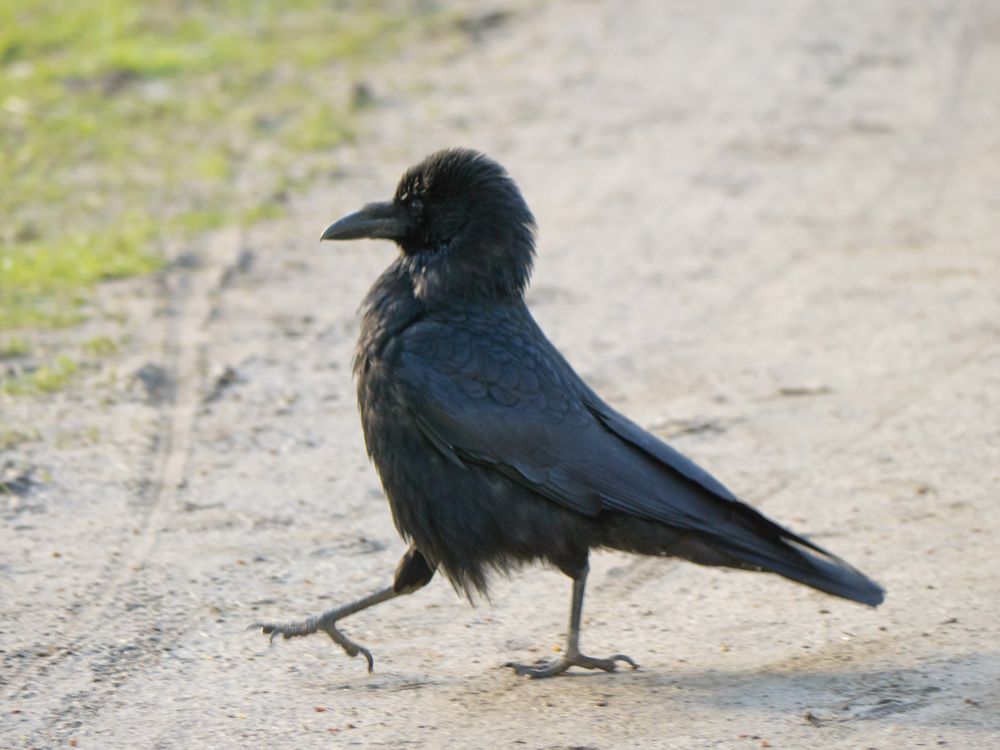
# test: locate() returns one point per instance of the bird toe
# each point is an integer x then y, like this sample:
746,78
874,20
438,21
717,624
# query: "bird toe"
542,669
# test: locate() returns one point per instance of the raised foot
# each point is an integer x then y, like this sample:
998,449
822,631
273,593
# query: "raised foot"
551,669
312,625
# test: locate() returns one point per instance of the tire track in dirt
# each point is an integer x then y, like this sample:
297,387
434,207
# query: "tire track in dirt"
192,297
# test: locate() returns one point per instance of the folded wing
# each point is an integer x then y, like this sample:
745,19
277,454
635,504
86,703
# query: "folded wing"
497,398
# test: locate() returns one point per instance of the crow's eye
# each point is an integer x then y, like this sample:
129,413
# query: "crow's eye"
416,205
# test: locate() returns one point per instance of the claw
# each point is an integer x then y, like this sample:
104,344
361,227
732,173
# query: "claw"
350,647
368,656
266,628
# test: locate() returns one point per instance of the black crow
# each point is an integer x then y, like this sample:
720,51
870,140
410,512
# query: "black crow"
491,449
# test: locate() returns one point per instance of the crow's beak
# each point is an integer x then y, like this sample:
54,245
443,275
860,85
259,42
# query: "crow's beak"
376,220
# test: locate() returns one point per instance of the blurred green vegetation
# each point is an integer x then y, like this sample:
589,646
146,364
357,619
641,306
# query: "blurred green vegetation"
43,379
123,122
13,347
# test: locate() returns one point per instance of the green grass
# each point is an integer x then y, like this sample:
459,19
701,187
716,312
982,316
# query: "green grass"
125,123
43,281
100,346
11,438
13,347
44,379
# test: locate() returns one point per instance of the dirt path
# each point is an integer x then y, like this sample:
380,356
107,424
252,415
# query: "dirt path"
768,232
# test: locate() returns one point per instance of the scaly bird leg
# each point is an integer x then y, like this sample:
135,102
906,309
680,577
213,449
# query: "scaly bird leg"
412,573
573,657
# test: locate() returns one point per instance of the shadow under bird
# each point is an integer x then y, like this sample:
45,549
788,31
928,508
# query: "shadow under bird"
492,451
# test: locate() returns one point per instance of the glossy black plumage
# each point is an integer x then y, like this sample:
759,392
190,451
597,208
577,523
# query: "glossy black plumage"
491,449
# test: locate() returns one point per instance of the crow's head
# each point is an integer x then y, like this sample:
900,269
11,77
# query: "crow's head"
461,223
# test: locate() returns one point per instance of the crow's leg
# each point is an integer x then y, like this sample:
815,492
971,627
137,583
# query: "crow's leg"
572,657
412,573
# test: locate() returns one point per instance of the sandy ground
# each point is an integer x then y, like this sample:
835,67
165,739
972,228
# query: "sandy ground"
768,233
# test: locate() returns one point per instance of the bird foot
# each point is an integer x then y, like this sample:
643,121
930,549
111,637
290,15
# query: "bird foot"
551,669
327,622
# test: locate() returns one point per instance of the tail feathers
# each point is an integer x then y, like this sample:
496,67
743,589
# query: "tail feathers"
800,560
692,502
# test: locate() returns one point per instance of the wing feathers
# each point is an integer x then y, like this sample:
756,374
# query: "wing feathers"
525,413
